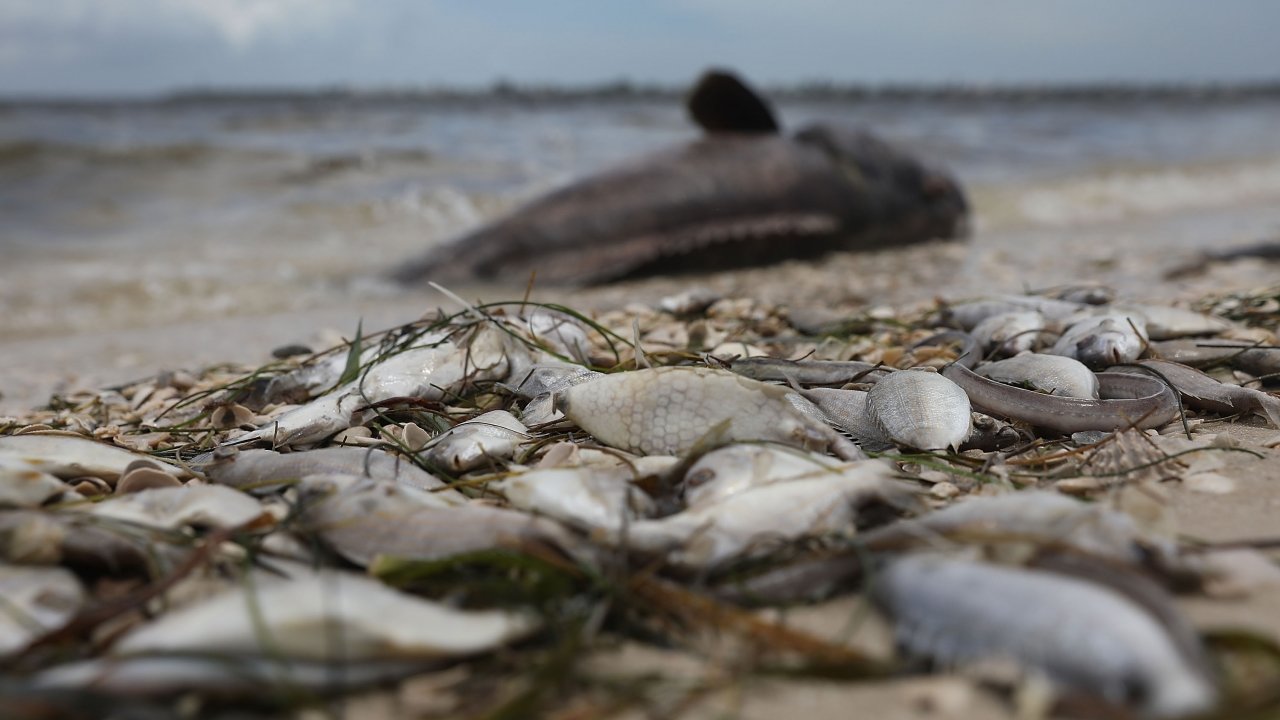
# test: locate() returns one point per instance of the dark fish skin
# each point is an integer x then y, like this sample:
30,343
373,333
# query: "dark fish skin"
730,199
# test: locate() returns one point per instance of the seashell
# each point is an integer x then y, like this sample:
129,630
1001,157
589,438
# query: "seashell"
225,417
920,409
143,475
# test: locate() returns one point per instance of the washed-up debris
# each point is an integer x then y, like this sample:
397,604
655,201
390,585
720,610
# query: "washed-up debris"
528,484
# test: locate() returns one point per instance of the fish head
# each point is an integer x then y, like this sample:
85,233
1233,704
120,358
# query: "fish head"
917,197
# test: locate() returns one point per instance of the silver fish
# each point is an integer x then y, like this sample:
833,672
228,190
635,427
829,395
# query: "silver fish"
1053,374
493,436
1081,635
1010,333
1103,340
266,471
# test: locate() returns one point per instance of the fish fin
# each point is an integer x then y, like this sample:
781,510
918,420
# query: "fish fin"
1269,405
721,102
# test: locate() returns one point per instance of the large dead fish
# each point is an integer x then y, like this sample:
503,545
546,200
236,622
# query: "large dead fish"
743,195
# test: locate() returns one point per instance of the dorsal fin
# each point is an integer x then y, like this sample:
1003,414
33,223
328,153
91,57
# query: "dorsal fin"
720,102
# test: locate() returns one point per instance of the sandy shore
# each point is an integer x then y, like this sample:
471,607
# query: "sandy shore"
1131,255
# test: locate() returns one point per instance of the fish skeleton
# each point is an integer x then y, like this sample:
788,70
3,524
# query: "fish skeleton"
743,195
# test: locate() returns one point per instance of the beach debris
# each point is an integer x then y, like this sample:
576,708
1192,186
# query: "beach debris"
713,478
1081,635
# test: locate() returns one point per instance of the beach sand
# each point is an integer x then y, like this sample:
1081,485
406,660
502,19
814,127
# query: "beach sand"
1132,254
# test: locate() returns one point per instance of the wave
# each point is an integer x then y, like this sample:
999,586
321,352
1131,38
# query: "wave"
1121,194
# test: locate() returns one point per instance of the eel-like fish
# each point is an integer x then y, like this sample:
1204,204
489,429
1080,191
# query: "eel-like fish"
743,195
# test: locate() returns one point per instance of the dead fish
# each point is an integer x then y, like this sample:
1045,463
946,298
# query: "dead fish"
1247,356
558,332
1126,401
969,314
1163,322
666,411
732,469
429,373
1010,333
1103,340
22,486
325,615
267,471
1203,392
1052,374
35,600
808,372
174,507
254,678
743,195
1083,636
920,409
1041,518
70,456
493,436
847,410
541,384
361,520
596,499
756,521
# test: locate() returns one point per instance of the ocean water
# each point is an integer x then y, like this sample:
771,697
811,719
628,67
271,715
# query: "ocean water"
119,214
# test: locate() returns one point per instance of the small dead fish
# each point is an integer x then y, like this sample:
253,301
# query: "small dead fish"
35,600
1247,356
919,409
248,677
591,498
1103,340
1010,333
267,471
174,507
361,520
1052,374
477,442
1039,517
807,372
732,469
967,315
300,617
847,410
1163,322
430,373
1203,392
71,456
558,332
77,540
542,383
1081,635
756,520
666,411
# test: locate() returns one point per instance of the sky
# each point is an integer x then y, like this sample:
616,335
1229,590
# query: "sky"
143,47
